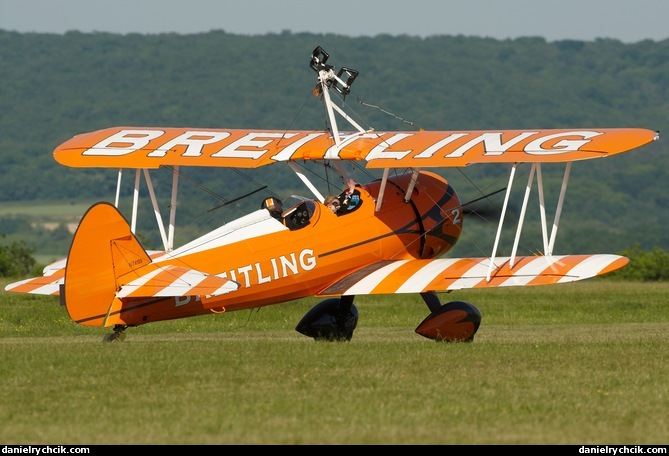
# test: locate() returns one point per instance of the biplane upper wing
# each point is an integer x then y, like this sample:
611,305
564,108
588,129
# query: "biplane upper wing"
447,274
149,148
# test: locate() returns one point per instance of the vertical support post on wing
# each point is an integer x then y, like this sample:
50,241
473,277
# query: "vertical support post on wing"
382,189
542,208
135,201
558,210
501,221
173,208
156,208
412,184
118,187
521,218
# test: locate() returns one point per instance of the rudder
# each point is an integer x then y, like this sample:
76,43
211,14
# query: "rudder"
103,249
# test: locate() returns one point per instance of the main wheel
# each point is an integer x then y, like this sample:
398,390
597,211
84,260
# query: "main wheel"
455,321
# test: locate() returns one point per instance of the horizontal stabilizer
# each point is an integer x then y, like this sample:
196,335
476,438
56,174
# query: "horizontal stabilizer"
446,274
47,284
175,281
53,278
43,285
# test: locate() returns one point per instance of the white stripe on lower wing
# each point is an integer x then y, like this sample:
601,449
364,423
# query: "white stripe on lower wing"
366,285
421,278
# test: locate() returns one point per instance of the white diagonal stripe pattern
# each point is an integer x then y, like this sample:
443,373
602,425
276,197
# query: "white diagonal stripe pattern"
422,278
589,267
529,271
368,283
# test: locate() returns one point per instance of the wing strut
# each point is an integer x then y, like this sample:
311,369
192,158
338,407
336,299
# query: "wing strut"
501,220
168,239
173,208
118,187
521,219
558,212
412,184
382,189
306,181
156,209
135,201
548,244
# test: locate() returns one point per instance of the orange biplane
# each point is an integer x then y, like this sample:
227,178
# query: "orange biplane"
398,227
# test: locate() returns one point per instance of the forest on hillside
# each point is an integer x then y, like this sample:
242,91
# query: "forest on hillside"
53,87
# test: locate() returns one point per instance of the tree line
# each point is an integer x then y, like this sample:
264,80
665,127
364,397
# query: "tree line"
53,87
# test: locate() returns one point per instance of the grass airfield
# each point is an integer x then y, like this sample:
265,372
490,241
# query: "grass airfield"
581,363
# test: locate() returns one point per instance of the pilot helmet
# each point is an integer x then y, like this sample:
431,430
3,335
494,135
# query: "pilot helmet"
273,205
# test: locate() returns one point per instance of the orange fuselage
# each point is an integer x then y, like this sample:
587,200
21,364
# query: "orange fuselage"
273,263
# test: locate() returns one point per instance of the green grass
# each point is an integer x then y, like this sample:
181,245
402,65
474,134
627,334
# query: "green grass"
583,363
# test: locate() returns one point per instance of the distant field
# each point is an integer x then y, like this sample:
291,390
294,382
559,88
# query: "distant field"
45,209
44,217
583,363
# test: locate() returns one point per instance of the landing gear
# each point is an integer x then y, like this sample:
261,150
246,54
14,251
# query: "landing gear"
333,319
117,335
455,321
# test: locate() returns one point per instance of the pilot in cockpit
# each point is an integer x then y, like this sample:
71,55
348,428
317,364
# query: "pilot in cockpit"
346,201
274,206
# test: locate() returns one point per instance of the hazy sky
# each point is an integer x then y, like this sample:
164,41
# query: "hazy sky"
628,21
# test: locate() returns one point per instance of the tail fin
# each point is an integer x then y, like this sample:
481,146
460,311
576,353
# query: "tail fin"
103,249
108,271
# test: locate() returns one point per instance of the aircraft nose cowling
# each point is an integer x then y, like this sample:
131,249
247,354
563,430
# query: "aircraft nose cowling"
330,319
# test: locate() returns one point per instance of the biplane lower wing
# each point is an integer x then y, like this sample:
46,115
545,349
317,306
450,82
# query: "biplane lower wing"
448,274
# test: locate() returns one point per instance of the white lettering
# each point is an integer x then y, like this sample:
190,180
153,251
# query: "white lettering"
261,279
275,269
307,259
429,152
492,143
245,270
381,152
289,150
254,145
193,140
250,140
288,263
126,141
536,146
333,152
